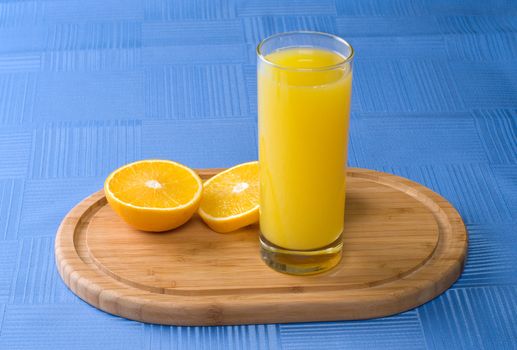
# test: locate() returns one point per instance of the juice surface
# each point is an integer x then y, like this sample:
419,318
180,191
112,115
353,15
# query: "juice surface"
303,137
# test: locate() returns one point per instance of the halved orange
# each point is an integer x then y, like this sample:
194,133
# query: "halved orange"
154,195
231,198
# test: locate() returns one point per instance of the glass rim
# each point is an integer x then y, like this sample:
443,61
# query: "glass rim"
345,60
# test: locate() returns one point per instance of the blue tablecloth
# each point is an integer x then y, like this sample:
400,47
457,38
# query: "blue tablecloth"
86,86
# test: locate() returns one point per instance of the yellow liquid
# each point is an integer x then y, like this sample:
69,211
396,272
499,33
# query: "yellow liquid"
303,137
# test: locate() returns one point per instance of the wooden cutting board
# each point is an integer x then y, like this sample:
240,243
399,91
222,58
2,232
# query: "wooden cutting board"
403,245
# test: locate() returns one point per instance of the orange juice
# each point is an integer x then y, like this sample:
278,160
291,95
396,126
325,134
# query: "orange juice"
304,105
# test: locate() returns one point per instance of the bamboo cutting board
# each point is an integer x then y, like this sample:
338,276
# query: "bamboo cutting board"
403,245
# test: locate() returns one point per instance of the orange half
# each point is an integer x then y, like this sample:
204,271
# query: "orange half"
154,195
231,198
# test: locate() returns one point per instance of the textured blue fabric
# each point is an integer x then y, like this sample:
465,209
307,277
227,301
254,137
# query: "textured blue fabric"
88,85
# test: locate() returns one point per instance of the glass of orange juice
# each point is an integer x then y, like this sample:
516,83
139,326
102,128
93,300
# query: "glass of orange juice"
304,90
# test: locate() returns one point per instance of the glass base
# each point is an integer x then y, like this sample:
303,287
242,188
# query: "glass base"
301,262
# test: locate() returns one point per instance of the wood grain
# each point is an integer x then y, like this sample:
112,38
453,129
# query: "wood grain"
403,245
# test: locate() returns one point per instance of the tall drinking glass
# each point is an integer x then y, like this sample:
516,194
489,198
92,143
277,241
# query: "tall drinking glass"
304,90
